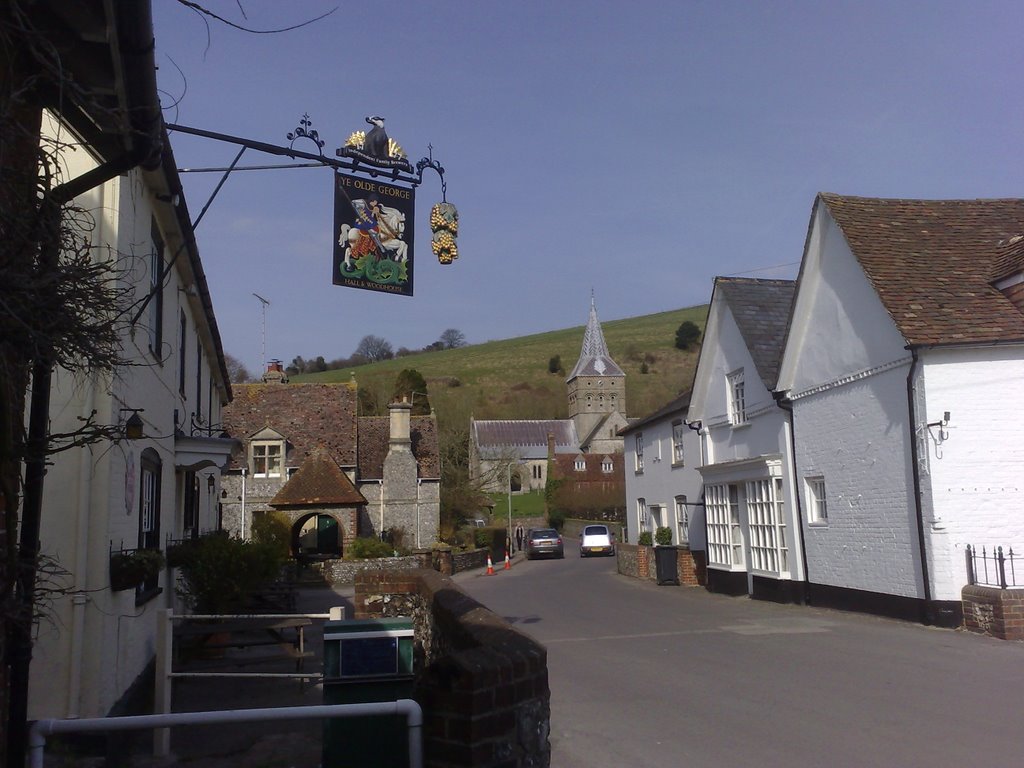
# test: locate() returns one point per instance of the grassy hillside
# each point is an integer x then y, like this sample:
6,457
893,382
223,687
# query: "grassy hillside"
509,379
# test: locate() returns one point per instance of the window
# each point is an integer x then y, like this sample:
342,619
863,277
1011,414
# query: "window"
641,515
817,507
737,398
682,519
725,538
678,430
149,518
156,302
266,459
536,471
190,501
181,354
639,452
580,465
768,549
607,466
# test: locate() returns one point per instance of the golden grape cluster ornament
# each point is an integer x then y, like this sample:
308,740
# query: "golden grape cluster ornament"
444,223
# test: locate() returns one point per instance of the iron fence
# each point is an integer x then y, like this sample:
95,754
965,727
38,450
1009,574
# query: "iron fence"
993,567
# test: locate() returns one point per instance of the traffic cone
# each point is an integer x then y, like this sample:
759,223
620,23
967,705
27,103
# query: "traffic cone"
507,563
490,565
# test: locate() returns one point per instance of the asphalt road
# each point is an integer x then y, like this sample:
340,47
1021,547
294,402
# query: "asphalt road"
643,675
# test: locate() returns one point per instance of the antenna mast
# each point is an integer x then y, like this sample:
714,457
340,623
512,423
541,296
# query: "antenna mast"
263,349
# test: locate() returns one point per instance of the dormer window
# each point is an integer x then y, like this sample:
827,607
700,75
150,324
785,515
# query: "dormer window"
266,459
581,464
606,466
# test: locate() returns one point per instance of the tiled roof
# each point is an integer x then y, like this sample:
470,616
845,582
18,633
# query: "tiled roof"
761,310
529,438
374,436
566,467
319,482
932,263
594,357
307,415
676,406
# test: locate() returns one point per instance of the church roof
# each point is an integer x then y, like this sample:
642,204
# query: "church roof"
528,439
319,482
594,358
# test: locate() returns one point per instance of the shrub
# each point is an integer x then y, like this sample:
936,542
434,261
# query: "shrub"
663,536
368,548
645,539
687,334
219,574
556,519
273,530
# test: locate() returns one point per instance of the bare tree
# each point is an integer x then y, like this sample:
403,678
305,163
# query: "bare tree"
453,338
237,372
374,349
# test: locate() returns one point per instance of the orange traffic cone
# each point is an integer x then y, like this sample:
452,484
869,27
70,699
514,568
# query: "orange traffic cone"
490,565
507,563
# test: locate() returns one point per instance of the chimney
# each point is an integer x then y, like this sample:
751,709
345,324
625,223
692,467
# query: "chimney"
400,436
275,373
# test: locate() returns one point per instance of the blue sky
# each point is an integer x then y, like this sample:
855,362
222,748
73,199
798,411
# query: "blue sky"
633,149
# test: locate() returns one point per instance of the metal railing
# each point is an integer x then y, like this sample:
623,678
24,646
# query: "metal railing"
993,566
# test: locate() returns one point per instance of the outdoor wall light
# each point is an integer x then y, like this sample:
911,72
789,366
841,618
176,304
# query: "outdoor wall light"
210,482
134,428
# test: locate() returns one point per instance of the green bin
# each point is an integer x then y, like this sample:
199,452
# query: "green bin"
367,660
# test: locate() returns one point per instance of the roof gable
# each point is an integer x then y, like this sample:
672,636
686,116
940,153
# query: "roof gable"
760,309
319,482
932,264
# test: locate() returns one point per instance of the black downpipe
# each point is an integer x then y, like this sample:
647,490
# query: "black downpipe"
135,34
928,612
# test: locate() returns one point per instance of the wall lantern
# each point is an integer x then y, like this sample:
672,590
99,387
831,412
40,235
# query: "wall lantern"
134,427
210,482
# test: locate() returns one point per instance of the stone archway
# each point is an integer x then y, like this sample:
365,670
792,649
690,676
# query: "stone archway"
317,534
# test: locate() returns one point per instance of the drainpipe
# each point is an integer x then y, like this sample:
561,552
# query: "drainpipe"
245,471
80,595
790,426
928,613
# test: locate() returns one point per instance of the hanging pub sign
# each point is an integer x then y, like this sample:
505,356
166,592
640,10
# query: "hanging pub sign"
374,222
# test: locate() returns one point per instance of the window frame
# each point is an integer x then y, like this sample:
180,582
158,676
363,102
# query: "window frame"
678,453
725,535
737,398
260,455
817,500
150,483
682,519
638,456
766,522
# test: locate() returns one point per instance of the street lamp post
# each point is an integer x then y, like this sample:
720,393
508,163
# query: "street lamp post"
509,534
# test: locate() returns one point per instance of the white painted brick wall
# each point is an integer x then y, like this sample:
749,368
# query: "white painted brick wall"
857,437
976,474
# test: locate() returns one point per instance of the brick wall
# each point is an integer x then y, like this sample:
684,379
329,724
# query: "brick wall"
994,612
637,561
483,685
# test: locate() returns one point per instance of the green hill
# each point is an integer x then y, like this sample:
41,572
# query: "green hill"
509,379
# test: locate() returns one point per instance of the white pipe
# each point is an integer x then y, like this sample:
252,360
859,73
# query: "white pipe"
419,481
80,596
244,470
380,532
406,707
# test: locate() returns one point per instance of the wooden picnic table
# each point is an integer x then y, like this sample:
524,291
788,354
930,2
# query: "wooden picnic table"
288,633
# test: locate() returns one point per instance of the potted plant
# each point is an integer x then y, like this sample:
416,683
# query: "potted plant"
131,567
645,539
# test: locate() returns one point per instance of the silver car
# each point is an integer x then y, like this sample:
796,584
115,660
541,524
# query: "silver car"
542,542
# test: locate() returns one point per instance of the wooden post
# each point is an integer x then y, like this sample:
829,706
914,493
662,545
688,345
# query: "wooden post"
164,665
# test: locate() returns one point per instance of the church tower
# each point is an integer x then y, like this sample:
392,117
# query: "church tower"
597,393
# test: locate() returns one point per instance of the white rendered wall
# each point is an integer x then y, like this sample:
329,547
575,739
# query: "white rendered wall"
661,481
973,476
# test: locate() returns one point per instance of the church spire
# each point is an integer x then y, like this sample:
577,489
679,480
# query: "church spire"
594,358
